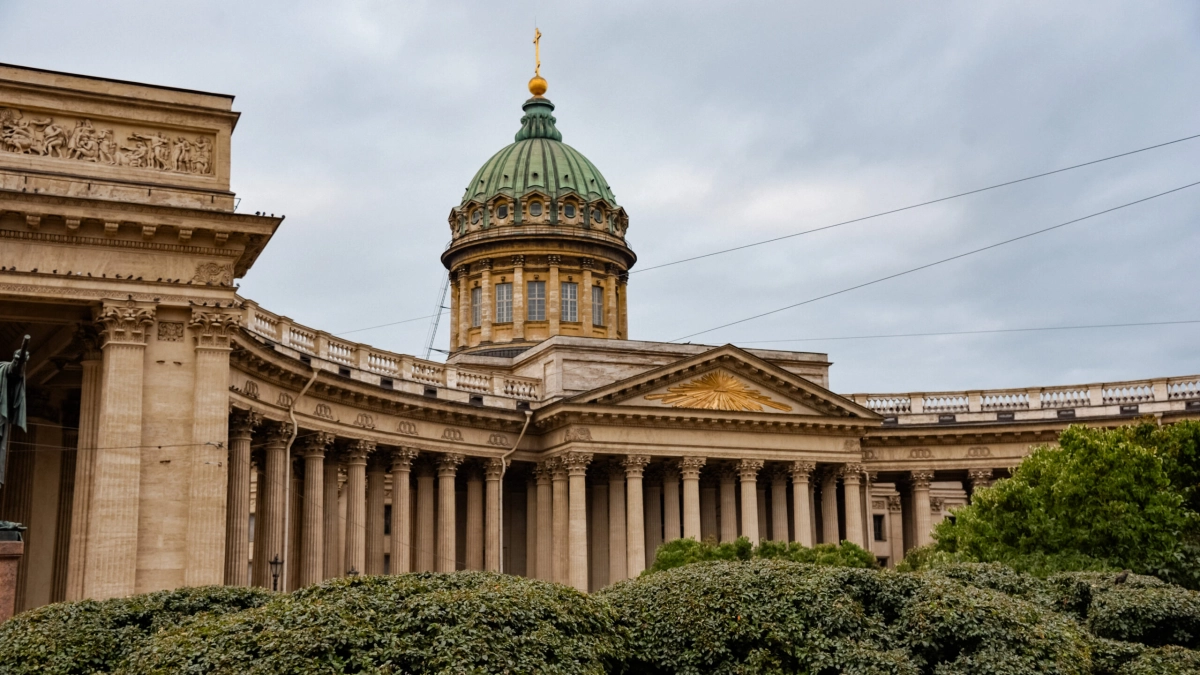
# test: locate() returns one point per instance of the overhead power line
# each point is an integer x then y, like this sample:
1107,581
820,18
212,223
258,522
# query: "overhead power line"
937,262
974,332
848,222
912,206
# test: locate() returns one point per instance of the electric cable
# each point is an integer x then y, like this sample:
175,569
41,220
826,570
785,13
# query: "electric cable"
935,263
975,332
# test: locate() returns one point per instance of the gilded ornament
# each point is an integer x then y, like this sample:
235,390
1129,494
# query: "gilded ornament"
717,391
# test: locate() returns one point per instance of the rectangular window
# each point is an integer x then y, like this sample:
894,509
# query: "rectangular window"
503,303
597,305
570,301
476,306
879,534
535,301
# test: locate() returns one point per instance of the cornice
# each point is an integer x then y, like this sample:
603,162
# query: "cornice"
560,415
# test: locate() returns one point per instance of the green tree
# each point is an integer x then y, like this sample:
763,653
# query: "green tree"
1104,498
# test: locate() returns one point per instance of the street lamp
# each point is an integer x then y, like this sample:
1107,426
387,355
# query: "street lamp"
276,565
352,573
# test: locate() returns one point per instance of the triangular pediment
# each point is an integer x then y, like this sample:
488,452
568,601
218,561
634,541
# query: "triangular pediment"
725,379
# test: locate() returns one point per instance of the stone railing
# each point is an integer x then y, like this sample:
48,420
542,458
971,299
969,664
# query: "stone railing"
1100,399
366,359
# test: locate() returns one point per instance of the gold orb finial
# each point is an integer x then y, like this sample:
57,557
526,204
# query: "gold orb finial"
537,86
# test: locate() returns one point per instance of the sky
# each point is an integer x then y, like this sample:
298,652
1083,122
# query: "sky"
719,124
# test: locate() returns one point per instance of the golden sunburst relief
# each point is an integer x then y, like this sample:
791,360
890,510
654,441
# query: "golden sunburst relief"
717,391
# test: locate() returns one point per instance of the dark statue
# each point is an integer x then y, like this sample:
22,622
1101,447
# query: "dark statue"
12,400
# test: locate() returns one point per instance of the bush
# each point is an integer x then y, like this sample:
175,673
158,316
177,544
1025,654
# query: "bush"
1163,661
466,622
88,637
1156,616
774,616
680,552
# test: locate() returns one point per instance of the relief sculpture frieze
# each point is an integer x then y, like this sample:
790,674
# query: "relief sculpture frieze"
79,139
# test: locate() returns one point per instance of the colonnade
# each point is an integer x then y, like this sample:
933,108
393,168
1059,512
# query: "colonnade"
587,521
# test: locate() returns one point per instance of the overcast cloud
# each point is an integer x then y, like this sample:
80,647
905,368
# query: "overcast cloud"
719,123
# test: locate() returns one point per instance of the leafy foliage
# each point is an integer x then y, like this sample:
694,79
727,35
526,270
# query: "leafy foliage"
686,551
467,622
1103,499
95,637
774,616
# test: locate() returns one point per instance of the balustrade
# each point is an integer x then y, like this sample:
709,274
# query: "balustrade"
282,330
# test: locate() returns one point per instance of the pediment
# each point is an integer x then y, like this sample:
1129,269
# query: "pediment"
721,389
726,379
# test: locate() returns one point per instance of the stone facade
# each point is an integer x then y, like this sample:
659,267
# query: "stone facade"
183,435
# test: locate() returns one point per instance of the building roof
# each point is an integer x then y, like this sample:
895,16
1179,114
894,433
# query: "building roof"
538,162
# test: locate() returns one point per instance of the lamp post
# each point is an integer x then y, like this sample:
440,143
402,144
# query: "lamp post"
276,564
352,573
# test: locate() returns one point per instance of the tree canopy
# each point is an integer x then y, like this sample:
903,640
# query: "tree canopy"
1101,499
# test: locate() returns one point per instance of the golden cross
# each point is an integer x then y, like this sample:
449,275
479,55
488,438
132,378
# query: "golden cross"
537,56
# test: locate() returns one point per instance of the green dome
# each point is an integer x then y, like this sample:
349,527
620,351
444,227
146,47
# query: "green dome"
538,162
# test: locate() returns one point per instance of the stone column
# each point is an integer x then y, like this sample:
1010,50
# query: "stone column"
829,515
377,467
464,306
485,309
553,290
356,503
690,469
295,522
453,311
748,472
475,531
598,546
622,305
426,527
561,562
851,482
237,515
493,475
923,517
610,300
779,509
518,327
729,522
312,558
207,484
617,555
446,518
258,571
672,526
652,505
275,500
635,542
85,462
576,464
332,554
545,521
801,499
977,479
895,530
401,550
869,478
111,567
585,296
709,496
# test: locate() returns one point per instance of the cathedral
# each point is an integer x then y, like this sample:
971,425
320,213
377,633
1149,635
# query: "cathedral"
179,434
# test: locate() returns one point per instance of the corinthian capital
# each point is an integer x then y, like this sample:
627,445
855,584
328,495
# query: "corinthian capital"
635,465
921,478
748,469
802,471
690,466
242,423
576,463
124,323
213,327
